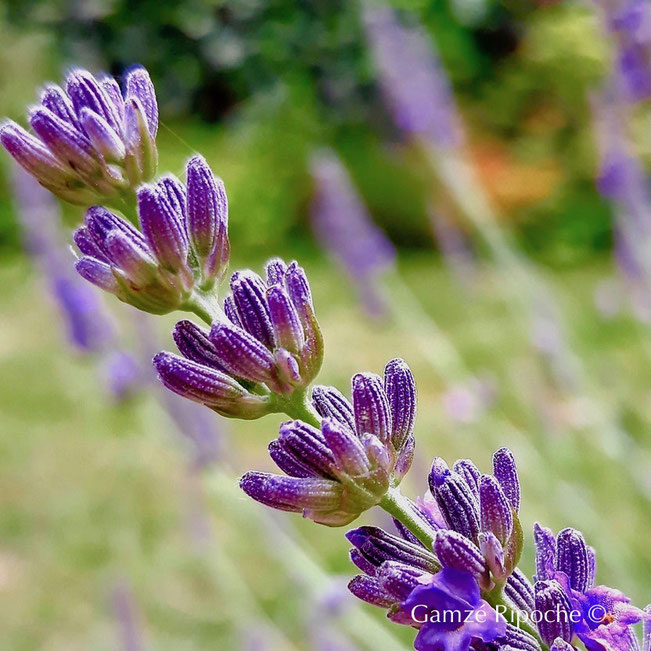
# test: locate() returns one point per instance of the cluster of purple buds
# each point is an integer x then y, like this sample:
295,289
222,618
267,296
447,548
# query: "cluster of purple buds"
90,142
475,531
348,465
268,348
180,251
571,604
482,532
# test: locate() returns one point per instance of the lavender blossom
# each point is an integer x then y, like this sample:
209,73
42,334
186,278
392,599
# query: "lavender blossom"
412,78
605,615
338,472
346,230
92,142
250,364
160,268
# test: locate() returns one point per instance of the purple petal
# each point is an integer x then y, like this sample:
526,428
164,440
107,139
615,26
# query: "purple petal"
291,493
103,137
163,228
287,328
331,403
248,291
241,354
33,156
197,382
64,141
194,343
138,84
371,407
506,473
400,389
347,450
86,92
98,273
207,206
572,557
370,590
455,500
552,602
456,551
495,510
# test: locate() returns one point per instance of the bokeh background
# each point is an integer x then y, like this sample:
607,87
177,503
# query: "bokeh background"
518,292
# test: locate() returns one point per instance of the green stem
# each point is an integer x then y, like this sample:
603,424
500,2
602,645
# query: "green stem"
397,505
205,306
298,406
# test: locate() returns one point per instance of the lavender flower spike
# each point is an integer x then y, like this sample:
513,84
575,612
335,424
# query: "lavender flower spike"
354,447
154,268
270,338
92,144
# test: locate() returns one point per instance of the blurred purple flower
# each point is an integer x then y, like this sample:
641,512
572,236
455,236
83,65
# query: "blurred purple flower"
124,375
346,230
412,78
88,325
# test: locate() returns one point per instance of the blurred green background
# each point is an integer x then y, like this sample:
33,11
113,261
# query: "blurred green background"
100,512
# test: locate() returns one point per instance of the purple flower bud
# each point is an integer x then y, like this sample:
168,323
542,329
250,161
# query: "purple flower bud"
194,343
98,273
142,156
469,471
362,563
400,389
138,84
378,546
136,264
370,590
561,645
249,297
231,311
552,602
291,493
287,328
517,639
545,551
207,209
495,510
54,99
371,407
307,447
520,591
33,156
454,550
331,403
112,90
276,270
399,579
197,382
405,457
65,142
572,557
85,92
506,473
102,136
174,191
349,454
455,500
163,228
493,552
243,355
